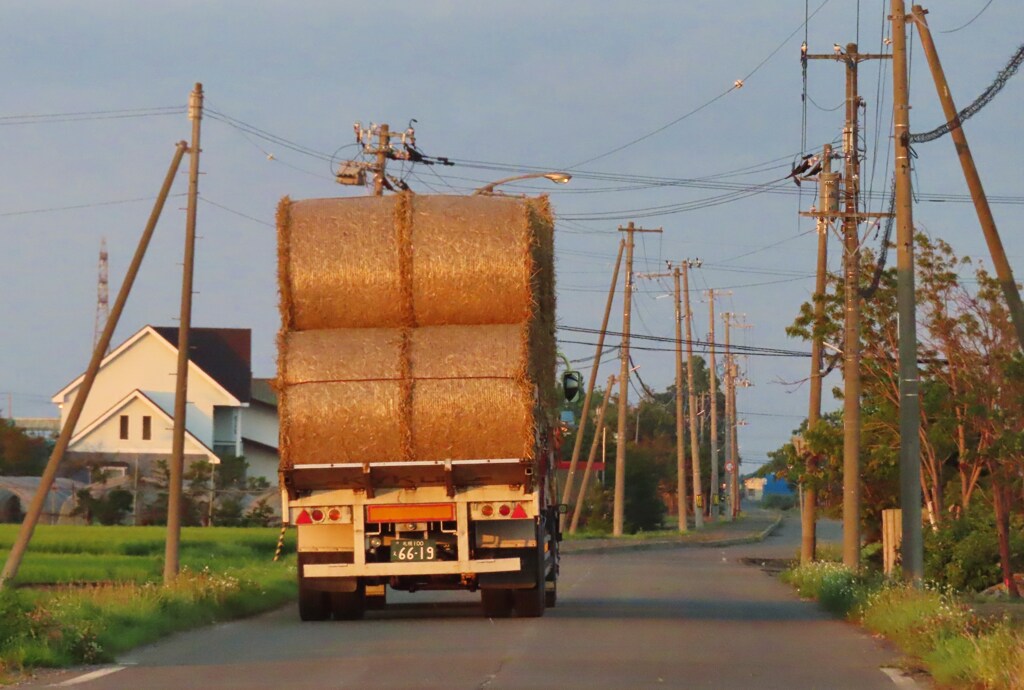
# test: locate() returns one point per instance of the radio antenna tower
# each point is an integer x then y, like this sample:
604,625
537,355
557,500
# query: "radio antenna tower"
102,294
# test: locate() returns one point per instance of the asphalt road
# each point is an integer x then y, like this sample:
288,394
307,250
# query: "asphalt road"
677,617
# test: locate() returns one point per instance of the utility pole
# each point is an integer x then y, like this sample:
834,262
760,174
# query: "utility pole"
730,468
383,147
35,507
691,396
620,438
599,430
171,551
599,350
680,269
828,201
851,342
963,151
102,292
912,550
713,407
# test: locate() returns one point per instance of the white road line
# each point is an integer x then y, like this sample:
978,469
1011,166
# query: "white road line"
898,678
92,675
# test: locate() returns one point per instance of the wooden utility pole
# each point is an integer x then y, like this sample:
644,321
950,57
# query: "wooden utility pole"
35,508
910,406
598,434
383,147
713,394
620,438
963,151
691,393
730,418
851,341
828,202
599,350
177,464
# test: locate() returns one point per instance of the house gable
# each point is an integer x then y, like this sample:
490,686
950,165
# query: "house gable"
147,361
121,429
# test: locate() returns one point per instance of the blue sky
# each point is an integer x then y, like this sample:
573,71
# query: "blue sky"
520,84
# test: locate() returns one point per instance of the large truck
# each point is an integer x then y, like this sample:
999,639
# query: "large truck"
417,400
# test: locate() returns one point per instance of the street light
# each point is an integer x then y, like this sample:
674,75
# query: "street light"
556,177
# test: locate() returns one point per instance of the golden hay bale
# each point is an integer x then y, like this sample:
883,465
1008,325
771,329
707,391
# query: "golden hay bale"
468,419
338,264
469,351
357,421
409,261
345,354
471,260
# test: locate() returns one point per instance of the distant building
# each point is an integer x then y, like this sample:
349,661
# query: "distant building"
757,488
128,418
39,427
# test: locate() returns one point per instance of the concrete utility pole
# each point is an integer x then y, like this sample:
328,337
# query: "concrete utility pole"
963,151
851,342
383,147
35,507
174,491
599,429
730,418
620,438
713,397
828,201
912,550
599,350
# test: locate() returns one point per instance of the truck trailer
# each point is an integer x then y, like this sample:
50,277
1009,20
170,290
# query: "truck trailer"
417,400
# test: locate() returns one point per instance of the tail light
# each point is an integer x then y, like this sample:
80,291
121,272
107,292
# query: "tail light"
512,510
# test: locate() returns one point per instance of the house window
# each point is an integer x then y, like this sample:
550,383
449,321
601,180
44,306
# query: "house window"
124,427
147,428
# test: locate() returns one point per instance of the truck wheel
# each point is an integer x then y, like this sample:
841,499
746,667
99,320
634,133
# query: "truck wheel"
313,604
530,602
497,602
550,593
349,606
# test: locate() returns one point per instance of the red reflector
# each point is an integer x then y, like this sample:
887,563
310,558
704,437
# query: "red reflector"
317,515
504,509
303,519
487,510
334,515
519,512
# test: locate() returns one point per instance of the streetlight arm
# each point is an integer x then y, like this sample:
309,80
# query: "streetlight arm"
556,177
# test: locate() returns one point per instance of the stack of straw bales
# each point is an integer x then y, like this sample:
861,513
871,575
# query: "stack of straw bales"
414,328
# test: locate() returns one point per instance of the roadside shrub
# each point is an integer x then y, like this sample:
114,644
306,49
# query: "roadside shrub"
964,553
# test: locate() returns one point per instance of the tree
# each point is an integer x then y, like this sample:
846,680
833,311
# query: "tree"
21,455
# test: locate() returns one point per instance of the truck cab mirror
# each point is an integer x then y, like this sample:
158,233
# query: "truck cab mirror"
572,385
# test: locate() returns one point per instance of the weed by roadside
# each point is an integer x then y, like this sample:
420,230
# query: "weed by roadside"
931,624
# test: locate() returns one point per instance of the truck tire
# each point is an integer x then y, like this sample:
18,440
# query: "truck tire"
497,603
349,606
530,602
313,604
550,593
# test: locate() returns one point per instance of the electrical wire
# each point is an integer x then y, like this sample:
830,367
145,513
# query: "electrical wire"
971,21
80,116
76,207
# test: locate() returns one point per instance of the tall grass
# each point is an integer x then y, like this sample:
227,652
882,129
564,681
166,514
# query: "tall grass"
935,626
85,594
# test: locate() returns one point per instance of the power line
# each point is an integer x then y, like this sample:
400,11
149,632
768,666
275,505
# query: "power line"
970,21
84,115
76,207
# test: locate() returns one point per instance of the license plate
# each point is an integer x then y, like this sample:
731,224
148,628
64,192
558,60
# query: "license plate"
404,550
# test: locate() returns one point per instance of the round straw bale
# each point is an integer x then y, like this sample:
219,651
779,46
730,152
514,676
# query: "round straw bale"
341,354
342,422
469,419
340,260
471,260
469,351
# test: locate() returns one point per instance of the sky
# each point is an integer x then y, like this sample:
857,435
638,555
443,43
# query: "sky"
500,88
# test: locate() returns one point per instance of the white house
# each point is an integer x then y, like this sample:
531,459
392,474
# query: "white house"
128,417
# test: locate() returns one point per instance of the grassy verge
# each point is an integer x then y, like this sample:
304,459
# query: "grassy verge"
86,594
955,645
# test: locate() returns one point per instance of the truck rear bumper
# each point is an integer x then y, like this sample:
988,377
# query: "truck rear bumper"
491,565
